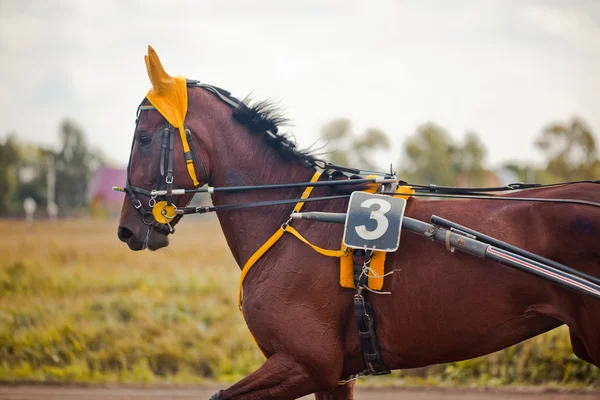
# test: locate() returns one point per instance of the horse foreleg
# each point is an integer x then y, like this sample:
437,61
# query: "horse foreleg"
585,334
579,348
280,377
344,392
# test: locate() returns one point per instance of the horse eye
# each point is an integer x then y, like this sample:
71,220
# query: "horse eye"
145,140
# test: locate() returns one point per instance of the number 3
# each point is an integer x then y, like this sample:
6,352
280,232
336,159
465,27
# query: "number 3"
378,216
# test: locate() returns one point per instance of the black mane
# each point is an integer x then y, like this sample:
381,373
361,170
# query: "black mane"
265,118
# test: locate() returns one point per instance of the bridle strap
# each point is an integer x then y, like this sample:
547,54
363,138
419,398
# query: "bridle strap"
190,153
169,178
163,154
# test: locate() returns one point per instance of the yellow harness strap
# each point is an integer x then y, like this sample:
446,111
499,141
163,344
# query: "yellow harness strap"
325,252
273,239
189,162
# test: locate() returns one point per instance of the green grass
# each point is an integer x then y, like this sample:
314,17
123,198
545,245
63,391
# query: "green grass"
76,305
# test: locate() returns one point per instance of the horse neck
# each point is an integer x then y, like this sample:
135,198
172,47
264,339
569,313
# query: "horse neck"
244,158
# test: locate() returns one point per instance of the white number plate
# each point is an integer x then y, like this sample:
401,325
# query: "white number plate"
373,222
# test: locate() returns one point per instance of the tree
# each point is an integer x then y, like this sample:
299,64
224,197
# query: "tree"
571,151
72,162
431,157
354,150
470,159
8,160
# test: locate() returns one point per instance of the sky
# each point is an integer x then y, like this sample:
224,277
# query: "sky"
503,69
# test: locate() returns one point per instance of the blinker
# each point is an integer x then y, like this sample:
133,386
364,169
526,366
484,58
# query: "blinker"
163,213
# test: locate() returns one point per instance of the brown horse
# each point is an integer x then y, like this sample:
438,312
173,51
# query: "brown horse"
443,306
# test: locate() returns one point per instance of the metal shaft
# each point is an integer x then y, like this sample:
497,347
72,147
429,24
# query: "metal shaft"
513,249
481,250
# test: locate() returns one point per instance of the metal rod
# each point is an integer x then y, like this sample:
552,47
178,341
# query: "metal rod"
535,268
480,249
336,218
513,249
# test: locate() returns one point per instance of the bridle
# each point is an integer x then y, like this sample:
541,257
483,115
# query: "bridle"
162,211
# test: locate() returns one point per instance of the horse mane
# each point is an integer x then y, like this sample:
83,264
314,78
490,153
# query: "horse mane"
265,118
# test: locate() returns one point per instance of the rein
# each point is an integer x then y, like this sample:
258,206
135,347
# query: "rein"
420,191
163,211
228,207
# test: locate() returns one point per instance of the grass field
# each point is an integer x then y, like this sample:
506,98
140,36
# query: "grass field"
76,305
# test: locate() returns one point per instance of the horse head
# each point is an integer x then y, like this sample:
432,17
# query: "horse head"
189,134
169,154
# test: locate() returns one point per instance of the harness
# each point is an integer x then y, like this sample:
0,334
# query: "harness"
162,211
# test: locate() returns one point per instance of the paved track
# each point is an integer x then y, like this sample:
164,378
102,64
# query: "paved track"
204,392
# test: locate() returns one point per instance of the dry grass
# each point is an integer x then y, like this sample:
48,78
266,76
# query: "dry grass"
77,305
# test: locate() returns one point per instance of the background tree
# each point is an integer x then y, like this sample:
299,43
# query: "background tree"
571,151
31,171
8,161
73,166
470,158
351,149
432,156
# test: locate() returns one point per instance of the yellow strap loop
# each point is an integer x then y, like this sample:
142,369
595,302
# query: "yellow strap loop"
186,149
325,252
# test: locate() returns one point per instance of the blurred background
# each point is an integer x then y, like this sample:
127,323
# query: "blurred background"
452,93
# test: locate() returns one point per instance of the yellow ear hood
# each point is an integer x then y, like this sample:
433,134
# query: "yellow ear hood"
168,94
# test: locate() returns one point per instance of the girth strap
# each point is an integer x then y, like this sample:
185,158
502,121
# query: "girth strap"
365,319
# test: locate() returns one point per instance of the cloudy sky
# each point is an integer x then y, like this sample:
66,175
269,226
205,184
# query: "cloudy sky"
500,68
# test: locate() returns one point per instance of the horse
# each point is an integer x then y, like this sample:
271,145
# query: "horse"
442,306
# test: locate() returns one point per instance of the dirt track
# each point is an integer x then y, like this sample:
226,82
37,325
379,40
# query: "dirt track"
204,392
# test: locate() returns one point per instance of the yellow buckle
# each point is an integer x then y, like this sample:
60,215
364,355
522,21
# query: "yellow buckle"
163,213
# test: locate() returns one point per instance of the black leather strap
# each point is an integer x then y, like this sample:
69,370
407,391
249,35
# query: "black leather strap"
169,178
365,318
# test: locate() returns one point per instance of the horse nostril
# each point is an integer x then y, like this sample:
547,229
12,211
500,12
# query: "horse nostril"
124,234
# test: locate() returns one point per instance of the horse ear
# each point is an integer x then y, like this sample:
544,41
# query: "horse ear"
162,83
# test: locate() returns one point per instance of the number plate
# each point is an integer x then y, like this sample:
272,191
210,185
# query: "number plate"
373,222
